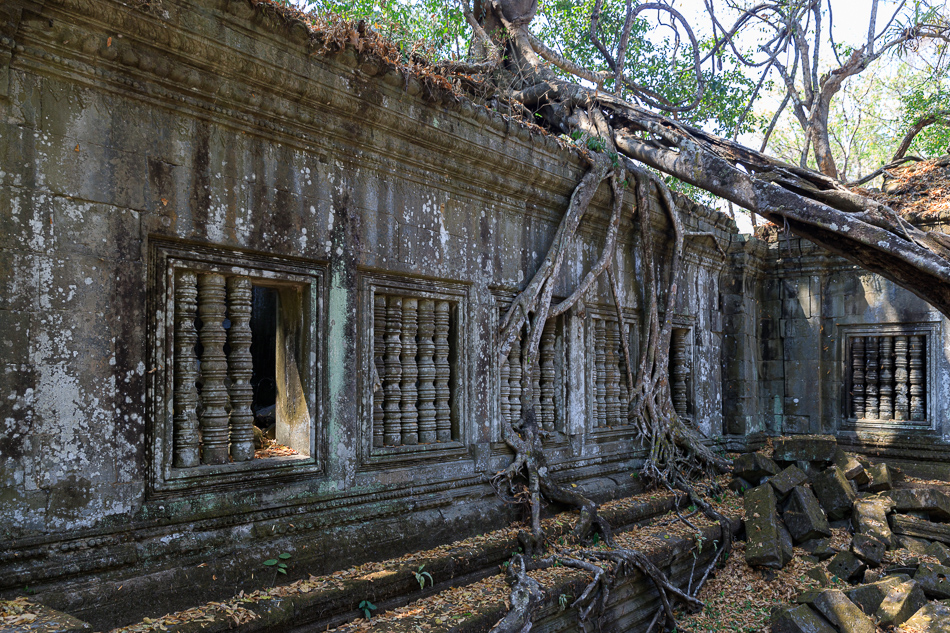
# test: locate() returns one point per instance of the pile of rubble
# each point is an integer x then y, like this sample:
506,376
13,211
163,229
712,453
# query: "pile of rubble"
808,487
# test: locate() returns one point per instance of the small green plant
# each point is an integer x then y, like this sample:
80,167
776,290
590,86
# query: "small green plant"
366,606
563,600
276,562
421,577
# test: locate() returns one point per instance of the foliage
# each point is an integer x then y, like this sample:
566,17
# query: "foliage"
277,564
421,577
366,607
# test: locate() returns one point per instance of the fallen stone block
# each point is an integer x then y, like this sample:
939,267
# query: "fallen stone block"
820,548
763,536
803,516
934,502
799,619
754,466
785,541
869,516
849,465
934,580
786,480
842,613
869,596
868,549
808,448
915,545
834,493
847,566
930,618
919,528
880,478
900,603
820,575
939,551
739,485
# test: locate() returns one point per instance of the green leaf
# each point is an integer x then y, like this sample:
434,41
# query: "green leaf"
272,561
283,571
282,565
285,555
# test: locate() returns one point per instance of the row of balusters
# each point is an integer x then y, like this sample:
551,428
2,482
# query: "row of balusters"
887,378
611,392
412,397
519,390
223,425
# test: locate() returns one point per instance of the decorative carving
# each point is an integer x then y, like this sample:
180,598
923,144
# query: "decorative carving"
443,373
871,402
918,410
886,387
547,377
680,372
410,372
240,369
504,376
611,372
379,354
392,419
600,407
186,371
857,377
514,379
623,391
426,407
901,377
214,369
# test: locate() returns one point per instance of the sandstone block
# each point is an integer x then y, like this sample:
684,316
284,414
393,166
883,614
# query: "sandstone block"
939,551
799,619
869,516
870,596
820,548
880,478
935,502
809,448
803,516
868,549
763,546
834,493
934,580
786,480
931,618
754,466
846,566
900,603
849,465
842,613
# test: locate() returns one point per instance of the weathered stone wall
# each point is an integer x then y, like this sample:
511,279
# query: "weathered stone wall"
134,138
801,307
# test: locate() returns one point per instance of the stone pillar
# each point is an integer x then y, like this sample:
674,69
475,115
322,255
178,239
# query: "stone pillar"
379,354
600,388
514,380
443,373
871,402
679,371
240,369
857,377
611,372
392,420
410,372
901,377
886,388
186,371
547,377
918,411
214,369
427,434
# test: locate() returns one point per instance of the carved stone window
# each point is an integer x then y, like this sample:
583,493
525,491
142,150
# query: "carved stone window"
235,343
414,383
541,386
888,374
681,372
609,393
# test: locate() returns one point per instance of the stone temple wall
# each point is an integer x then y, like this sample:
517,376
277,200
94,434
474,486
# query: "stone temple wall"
200,216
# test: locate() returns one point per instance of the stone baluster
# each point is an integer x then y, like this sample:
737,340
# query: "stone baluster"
901,390
623,390
547,376
240,369
443,373
612,374
214,369
871,402
600,371
514,380
680,372
503,390
427,434
886,388
857,377
410,371
392,413
186,371
918,411
379,363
